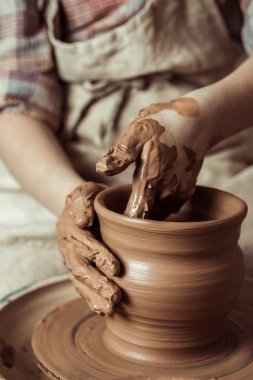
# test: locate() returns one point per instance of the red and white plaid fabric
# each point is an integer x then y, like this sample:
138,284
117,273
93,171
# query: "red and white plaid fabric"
28,79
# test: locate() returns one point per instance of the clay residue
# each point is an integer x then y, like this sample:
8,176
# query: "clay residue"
193,178
187,107
7,354
191,155
145,179
123,154
156,159
141,144
173,181
81,250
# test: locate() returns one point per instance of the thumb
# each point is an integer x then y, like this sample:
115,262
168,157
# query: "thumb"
80,204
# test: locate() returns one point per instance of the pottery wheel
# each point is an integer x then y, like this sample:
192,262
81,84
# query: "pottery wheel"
20,314
68,344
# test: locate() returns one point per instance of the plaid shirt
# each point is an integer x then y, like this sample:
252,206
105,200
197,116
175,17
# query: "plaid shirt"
28,76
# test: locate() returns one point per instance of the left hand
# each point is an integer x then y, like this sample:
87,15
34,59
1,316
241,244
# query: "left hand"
90,263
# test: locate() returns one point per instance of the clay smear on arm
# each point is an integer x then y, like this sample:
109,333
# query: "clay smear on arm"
191,155
187,107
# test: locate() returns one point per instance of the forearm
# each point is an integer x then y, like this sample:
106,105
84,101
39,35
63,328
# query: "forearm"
227,106
33,154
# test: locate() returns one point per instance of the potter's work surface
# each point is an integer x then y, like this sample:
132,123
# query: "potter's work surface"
18,318
68,344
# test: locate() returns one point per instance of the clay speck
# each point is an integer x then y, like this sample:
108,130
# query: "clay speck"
8,356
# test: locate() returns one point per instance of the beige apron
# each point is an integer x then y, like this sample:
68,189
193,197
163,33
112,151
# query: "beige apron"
167,39
167,49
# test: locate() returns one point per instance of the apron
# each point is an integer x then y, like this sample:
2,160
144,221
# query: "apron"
168,48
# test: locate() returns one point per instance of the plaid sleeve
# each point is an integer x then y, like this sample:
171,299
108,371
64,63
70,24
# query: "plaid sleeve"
28,78
247,31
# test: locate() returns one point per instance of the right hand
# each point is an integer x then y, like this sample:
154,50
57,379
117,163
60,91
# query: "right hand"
167,142
81,250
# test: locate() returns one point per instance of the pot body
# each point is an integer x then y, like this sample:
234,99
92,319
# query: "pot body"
179,279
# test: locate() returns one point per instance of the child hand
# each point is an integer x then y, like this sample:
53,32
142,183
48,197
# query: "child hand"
80,250
168,144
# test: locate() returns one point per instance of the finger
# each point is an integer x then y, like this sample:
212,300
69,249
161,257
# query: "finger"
93,250
96,303
80,203
83,271
165,201
130,146
96,252
145,180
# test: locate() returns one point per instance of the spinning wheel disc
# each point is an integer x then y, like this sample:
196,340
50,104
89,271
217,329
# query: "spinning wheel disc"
68,344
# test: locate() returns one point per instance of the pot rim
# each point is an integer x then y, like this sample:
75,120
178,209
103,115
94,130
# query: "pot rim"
170,226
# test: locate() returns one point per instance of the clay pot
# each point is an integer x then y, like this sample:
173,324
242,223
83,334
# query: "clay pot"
179,277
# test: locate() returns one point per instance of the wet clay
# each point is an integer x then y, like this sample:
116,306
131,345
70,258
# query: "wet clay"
7,354
136,135
179,281
80,249
164,267
154,177
188,107
154,160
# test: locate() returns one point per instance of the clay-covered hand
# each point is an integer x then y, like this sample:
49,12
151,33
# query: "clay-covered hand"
168,144
90,263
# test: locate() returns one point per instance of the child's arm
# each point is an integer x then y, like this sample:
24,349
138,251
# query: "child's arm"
33,154
227,106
